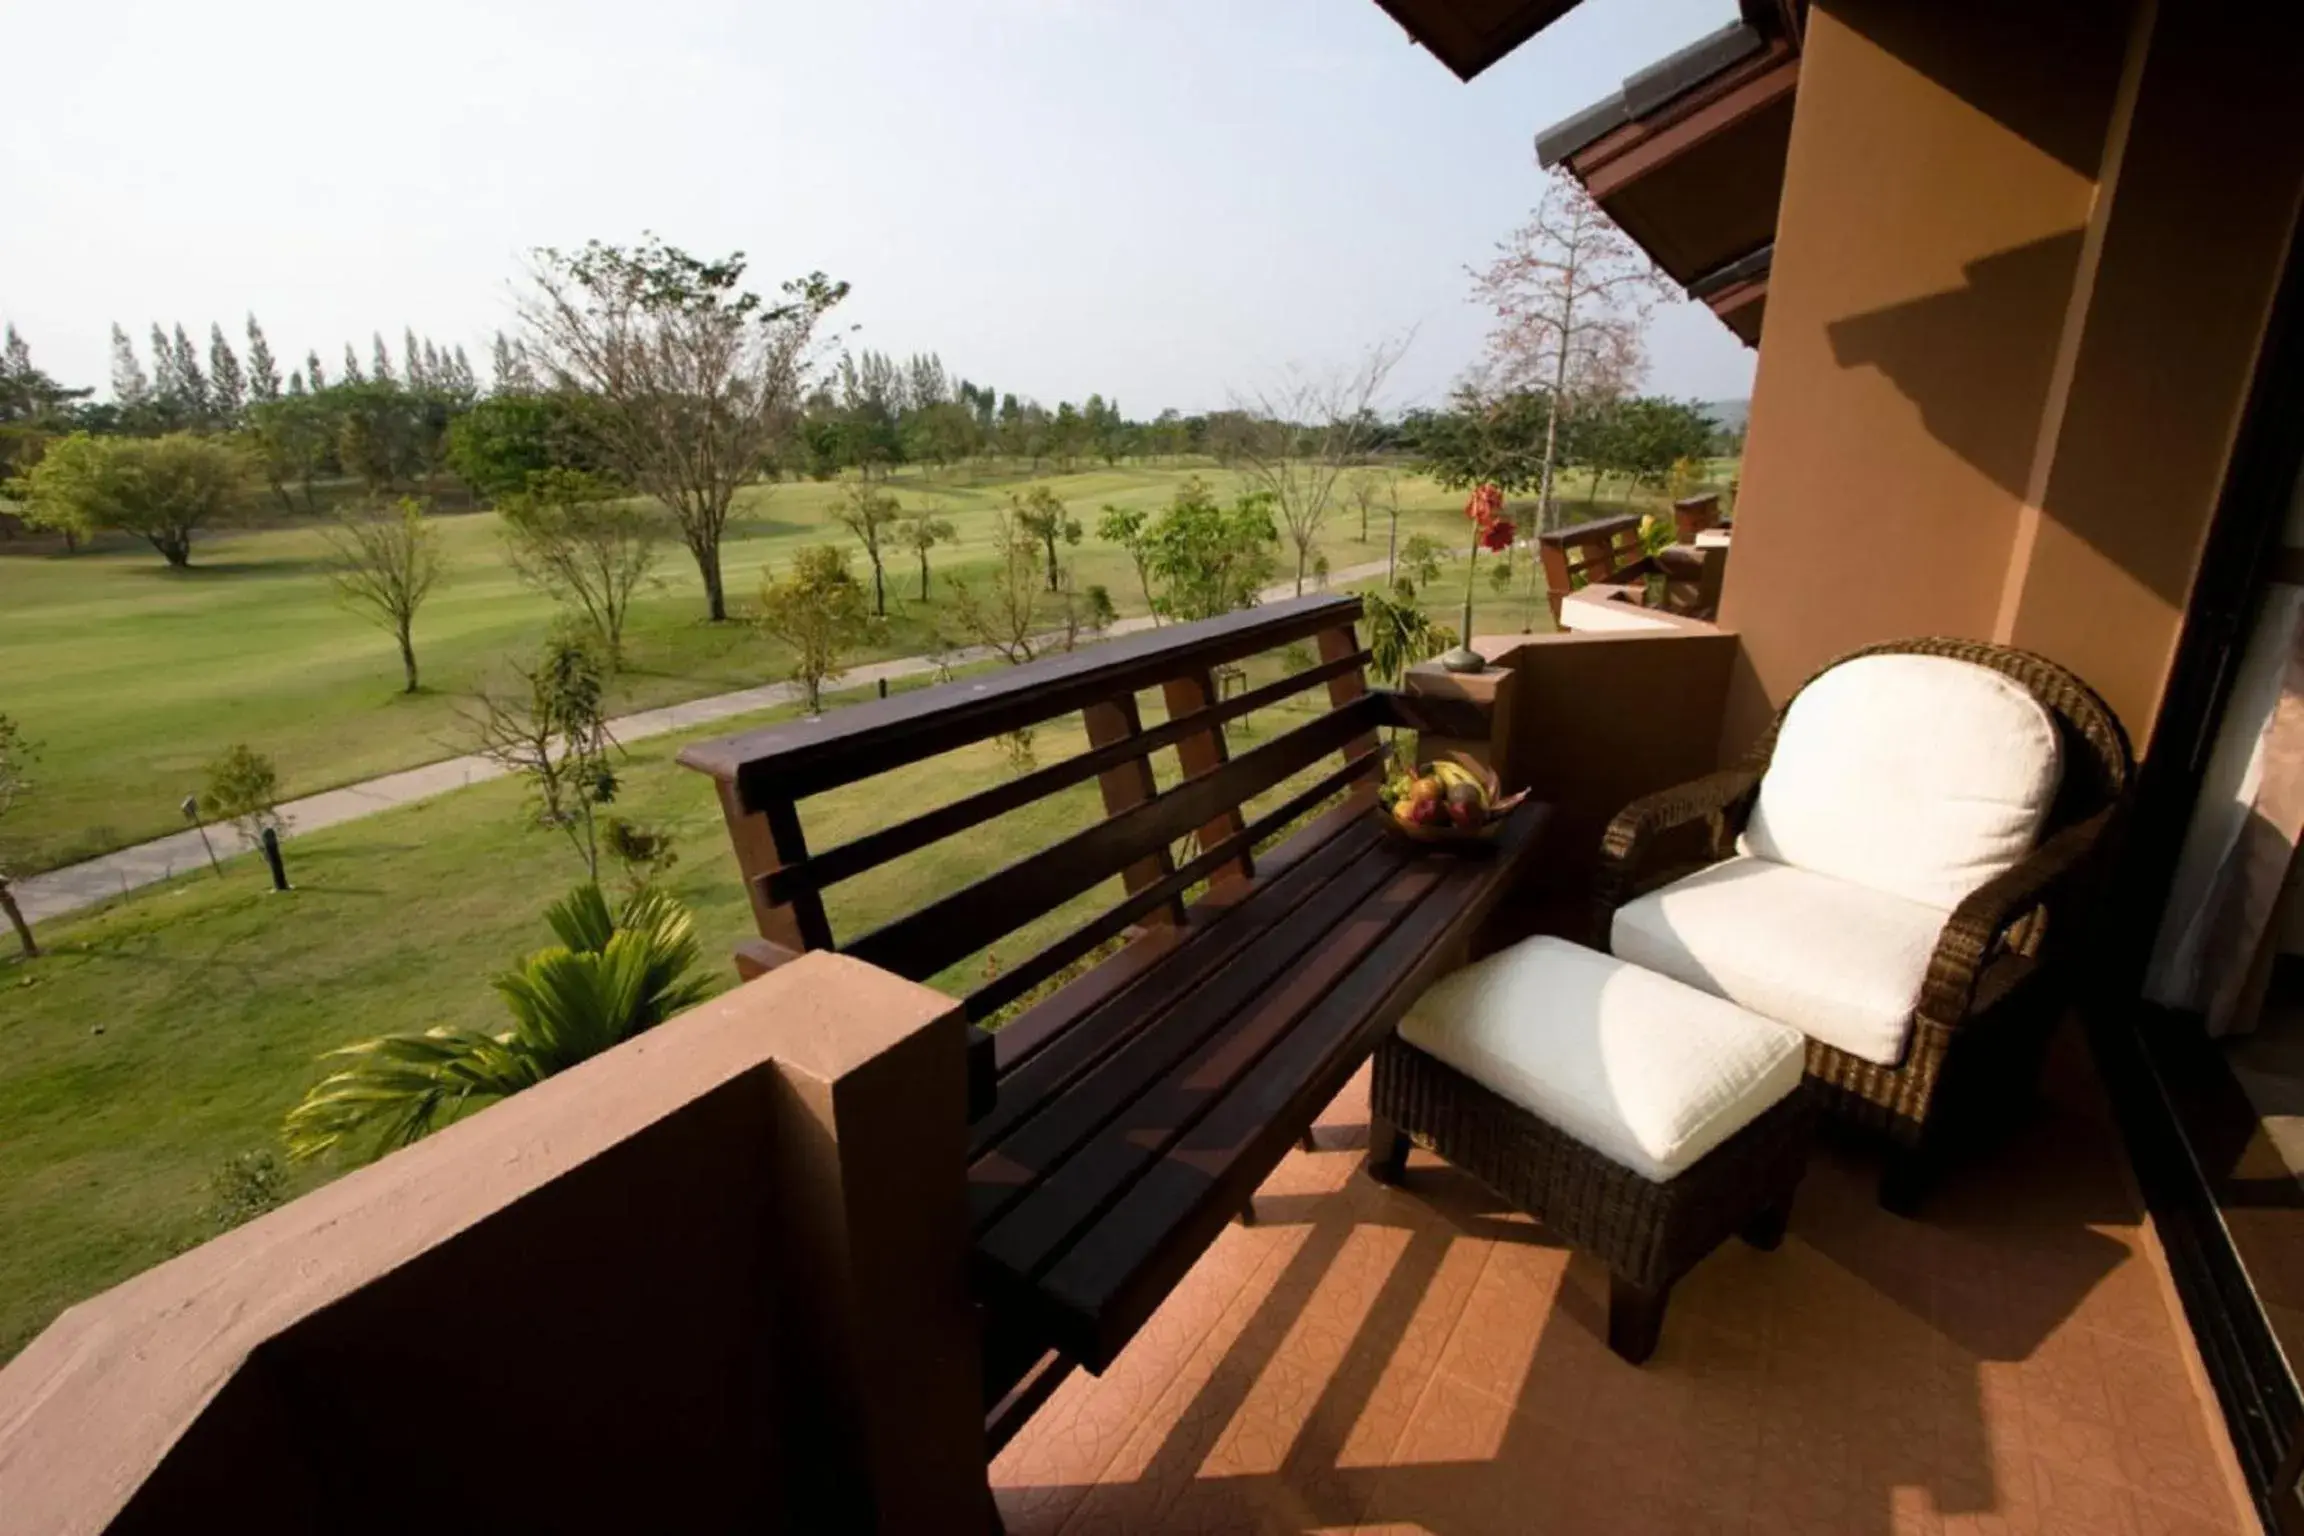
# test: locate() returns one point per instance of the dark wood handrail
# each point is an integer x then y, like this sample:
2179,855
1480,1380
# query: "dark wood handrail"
1596,530
847,860
797,758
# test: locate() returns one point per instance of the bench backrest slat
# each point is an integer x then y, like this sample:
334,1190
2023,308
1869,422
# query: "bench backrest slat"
1022,977
875,848
923,942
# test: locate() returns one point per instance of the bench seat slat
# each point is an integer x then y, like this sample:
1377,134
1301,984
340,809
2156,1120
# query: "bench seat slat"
1035,1234
1207,1003
1184,958
1140,1202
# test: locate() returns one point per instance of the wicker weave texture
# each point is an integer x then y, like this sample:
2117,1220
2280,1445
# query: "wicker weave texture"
1649,1233
2028,913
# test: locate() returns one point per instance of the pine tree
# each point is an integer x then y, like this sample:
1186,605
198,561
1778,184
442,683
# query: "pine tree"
296,382
352,373
508,362
466,384
130,388
191,379
382,371
435,370
15,355
411,359
263,373
167,388
227,391
313,373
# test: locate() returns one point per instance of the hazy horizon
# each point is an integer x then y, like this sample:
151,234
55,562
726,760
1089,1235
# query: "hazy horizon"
1165,205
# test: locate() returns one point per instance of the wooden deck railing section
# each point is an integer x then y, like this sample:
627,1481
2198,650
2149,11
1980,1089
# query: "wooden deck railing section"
763,775
1593,554
1121,1121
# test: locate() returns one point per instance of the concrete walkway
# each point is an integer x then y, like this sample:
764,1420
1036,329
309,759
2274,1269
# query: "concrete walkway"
99,879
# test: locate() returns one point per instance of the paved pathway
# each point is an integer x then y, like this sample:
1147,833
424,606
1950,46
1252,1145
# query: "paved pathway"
82,885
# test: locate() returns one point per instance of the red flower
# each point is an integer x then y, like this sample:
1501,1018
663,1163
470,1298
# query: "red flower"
1484,506
1496,535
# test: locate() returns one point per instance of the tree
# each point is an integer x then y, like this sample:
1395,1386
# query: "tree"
869,514
588,545
552,732
1041,513
263,372
243,788
163,490
921,531
613,975
817,610
1400,634
1570,295
1419,564
1294,441
293,439
1008,612
1208,559
692,377
34,408
16,756
227,387
1129,527
130,388
386,564
504,441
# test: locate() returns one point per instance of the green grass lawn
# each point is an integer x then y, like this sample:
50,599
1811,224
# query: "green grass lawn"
164,1035
167,1033
131,676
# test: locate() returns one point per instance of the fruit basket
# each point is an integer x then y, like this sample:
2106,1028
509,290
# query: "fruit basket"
1453,801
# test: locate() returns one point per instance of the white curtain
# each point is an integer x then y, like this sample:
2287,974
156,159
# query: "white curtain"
2224,919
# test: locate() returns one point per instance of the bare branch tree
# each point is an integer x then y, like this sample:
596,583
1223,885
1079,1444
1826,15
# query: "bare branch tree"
1571,295
586,544
387,564
690,378
1006,614
552,731
1296,440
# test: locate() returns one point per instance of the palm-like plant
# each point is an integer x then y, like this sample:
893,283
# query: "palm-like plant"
612,975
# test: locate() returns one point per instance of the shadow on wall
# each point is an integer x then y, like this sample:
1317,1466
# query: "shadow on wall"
1915,343
1978,50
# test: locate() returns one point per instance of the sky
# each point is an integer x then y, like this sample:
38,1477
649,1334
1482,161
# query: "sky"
1170,202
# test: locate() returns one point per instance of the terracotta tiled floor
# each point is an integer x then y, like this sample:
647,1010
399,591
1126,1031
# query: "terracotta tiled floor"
1370,1360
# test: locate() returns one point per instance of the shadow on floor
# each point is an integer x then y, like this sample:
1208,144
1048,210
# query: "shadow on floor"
1426,1360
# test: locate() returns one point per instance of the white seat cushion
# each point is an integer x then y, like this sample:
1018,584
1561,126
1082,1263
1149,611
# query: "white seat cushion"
1920,776
1838,961
1643,1070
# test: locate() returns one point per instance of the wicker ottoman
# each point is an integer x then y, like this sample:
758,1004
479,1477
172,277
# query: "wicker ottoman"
1638,1118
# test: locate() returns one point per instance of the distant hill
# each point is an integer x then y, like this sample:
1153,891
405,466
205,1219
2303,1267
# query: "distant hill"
1730,414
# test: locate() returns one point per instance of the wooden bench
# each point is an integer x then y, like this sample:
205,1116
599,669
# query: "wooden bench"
1122,1120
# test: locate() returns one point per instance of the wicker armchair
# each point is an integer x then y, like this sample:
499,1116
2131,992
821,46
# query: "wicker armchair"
2000,970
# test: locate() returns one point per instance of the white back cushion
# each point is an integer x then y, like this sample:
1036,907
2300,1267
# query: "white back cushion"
1919,776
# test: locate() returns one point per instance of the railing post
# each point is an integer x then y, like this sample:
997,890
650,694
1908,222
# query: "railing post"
765,842
1127,785
1335,645
1205,752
